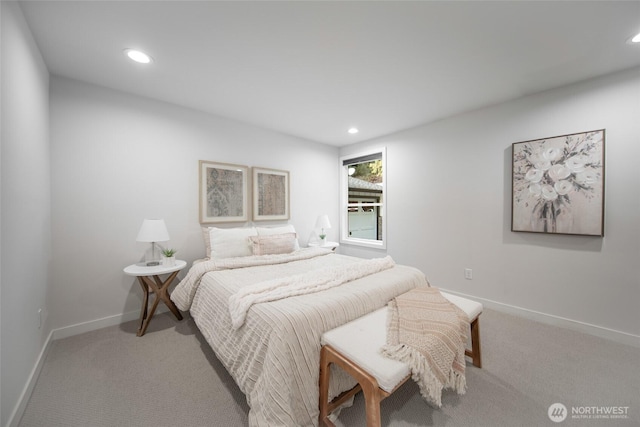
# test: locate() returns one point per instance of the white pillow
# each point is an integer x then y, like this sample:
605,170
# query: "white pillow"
282,229
207,241
230,242
274,244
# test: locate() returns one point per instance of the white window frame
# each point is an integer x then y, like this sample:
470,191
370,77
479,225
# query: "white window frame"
344,201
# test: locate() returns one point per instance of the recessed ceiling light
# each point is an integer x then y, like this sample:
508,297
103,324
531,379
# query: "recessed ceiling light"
353,131
138,56
635,39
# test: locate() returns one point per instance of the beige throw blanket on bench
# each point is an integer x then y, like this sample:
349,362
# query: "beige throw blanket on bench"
428,333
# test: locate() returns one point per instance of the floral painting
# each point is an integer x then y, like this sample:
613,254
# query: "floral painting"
558,185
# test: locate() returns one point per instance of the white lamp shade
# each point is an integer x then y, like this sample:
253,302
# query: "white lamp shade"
323,222
153,230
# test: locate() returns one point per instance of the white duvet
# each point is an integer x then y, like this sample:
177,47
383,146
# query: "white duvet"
274,356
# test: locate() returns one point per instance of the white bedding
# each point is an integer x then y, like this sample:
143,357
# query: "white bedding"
312,281
274,356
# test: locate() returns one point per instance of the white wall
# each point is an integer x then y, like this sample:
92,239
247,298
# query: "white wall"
449,207
115,159
25,206
118,158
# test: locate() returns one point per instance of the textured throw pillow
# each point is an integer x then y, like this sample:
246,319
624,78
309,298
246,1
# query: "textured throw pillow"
281,229
274,244
230,242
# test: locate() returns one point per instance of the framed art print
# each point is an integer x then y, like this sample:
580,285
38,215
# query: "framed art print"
270,194
558,184
224,192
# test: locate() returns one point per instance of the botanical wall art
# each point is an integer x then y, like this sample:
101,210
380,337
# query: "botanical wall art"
224,192
558,184
270,194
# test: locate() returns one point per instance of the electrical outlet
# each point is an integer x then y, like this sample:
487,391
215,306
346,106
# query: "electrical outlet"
468,273
39,318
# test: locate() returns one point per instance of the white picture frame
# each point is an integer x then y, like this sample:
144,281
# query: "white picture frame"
224,192
270,194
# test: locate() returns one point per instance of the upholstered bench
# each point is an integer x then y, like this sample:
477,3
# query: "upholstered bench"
355,348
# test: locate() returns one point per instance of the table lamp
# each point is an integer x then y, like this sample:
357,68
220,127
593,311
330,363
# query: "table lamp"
153,230
322,223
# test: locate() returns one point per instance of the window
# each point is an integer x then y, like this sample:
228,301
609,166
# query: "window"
363,188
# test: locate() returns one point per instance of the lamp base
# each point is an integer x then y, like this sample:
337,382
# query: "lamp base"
151,256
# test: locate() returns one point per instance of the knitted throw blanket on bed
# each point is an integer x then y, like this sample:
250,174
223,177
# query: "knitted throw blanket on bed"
428,333
301,284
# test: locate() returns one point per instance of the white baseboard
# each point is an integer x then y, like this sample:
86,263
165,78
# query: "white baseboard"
550,319
20,407
92,325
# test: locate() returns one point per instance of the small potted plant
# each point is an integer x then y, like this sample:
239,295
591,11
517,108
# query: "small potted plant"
169,259
323,239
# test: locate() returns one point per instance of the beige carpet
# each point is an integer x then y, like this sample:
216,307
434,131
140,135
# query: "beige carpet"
170,377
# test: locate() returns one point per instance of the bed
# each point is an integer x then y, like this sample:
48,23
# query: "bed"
273,352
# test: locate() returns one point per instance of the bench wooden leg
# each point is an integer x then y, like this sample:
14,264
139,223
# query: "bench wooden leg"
329,356
475,353
325,376
372,397
373,394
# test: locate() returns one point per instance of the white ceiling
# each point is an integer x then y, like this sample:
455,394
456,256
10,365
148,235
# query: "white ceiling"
314,69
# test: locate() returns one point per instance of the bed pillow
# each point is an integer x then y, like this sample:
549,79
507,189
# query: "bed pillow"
207,241
274,244
230,242
282,229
